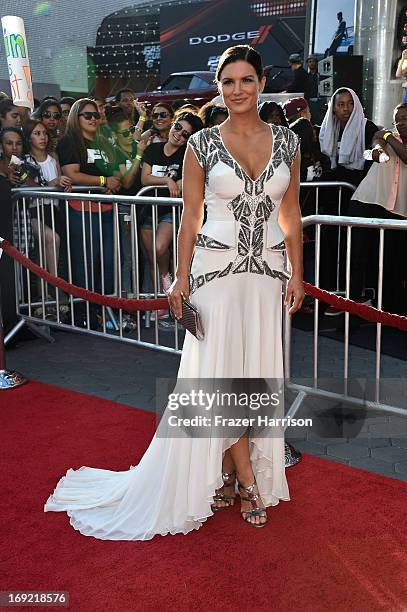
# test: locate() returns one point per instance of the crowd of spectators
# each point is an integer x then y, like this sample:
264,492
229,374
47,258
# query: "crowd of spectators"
120,147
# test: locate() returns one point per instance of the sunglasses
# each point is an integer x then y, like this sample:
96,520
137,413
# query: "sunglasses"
48,115
127,133
66,112
178,128
162,115
90,115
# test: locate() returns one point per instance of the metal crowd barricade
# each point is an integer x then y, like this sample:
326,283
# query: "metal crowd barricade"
43,312
34,311
315,390
153,193
88,241
341,187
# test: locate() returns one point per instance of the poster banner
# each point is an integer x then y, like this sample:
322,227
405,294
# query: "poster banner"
193,37
17,60
334,27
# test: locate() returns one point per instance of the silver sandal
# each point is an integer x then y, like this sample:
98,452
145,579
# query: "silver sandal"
256,510
221,497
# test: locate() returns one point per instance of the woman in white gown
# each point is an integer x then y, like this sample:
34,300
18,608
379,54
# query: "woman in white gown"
247,173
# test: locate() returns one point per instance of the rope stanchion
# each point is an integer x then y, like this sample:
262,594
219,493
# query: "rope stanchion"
369,313
8,379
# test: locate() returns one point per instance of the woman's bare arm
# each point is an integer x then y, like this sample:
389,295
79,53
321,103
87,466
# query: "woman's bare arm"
112,183
391,141
291,224
78,177
128,175
193,188
401,68
149,179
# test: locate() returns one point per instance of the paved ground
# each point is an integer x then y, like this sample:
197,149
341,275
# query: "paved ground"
126,373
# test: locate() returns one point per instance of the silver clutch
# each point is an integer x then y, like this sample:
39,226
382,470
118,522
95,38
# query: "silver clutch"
191,320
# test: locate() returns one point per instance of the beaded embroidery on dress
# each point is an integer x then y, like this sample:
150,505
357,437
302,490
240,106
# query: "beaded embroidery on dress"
236,287
251,208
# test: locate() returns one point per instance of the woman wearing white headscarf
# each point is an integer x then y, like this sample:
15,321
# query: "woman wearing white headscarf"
345,133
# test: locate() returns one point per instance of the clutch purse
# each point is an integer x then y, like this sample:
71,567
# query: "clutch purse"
191,320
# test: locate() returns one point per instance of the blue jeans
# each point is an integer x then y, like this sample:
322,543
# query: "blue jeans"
126,254
92,242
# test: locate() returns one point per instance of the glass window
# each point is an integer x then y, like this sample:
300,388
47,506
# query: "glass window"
198,83
178,81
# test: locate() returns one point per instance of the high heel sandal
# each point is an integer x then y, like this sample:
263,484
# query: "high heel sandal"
229,500
292,456
256,510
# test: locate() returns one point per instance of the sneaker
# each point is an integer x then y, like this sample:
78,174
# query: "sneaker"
166,325
307,309
308,305
166,282
334,312
51,313
129,324
159,314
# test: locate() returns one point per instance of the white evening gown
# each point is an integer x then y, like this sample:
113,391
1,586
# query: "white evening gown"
236,286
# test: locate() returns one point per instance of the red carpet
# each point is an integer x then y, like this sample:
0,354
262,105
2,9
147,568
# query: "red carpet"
339,545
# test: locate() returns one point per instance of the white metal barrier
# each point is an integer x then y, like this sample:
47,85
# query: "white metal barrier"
87,241
90,255
315,390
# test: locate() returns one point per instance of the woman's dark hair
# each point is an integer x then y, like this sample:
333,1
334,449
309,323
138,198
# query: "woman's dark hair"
98,99
194,121
118,96
6,106
267,108
208,112
28,129
74,132
44,106
400,106
186,107
177,104
3,132
165,105
67,100
240,53
304,130
114,116
49,98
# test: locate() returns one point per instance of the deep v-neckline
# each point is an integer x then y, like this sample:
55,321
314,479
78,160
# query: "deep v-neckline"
246,174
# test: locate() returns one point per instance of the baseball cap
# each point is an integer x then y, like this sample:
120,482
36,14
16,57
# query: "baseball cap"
295,58
294,106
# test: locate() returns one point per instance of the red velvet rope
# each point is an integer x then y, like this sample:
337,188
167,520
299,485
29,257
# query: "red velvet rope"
369,313
90,296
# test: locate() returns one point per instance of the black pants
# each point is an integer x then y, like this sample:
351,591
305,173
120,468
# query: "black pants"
7,284
365,258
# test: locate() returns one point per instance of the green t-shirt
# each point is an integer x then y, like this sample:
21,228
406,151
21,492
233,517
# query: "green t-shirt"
122,158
